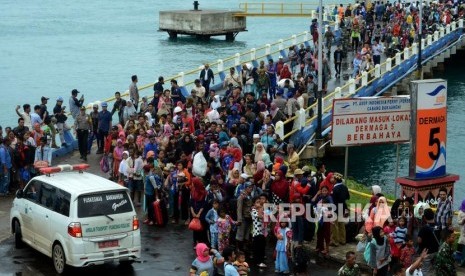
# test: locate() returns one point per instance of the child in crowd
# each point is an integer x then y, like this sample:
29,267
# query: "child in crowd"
258,237
390,228
284,235
224,225
212,218
240,264
401,231
214,152
407,252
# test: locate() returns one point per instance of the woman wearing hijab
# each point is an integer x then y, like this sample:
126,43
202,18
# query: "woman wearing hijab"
233,178
205,264
328,182
186,145
215,102
378,215
198,209
461,220
279,188
262,155
276,114
380,255
375,194
285,72
236,151
123,170
258,175
117,157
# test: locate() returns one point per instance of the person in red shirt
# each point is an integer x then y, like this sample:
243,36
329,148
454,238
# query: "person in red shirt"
329,182
187,121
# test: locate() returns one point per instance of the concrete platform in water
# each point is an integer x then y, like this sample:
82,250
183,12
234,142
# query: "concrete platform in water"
202,23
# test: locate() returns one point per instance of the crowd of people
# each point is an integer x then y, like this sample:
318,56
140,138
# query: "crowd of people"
214,162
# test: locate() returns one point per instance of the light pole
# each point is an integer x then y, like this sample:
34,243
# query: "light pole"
420,33
320,72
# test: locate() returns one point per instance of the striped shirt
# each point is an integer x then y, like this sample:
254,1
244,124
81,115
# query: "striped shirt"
443,213
400,234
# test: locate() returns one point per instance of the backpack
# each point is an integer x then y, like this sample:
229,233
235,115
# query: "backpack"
227,160
104,164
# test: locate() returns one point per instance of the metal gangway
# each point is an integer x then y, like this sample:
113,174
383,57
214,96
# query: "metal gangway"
272,9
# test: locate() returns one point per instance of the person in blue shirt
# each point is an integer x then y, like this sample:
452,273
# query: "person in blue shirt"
268,139
104,126
5,166
151,146
43,152
357,62
229,257
234,118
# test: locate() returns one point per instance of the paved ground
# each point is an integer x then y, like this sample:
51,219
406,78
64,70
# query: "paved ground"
165,251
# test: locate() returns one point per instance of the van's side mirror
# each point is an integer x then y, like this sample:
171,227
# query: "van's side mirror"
19,193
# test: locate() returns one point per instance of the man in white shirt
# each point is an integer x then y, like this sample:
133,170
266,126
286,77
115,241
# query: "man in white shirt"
199,89
25,115
377,49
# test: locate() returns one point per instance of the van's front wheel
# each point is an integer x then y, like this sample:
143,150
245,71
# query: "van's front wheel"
59,259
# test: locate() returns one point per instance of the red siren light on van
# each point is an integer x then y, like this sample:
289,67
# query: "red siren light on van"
64,168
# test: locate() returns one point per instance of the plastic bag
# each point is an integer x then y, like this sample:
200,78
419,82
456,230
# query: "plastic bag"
199,166
105,164
361,245
195,225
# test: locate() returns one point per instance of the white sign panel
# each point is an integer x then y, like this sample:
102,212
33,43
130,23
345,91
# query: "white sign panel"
370,120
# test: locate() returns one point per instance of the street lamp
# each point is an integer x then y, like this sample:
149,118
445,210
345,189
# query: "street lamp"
420,31
320,72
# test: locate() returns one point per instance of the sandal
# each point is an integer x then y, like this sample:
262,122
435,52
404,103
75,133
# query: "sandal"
150,223
146,221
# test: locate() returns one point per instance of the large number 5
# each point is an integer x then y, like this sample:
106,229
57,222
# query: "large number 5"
434,141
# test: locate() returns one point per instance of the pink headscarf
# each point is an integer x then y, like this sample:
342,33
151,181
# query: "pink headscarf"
260,166
199,249
167,130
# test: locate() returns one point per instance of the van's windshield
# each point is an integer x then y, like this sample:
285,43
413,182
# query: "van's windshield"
104,204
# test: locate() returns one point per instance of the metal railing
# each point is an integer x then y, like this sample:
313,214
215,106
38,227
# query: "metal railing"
350,88
282,9
221,66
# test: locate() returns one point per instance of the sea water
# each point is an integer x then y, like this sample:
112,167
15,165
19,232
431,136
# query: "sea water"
48,48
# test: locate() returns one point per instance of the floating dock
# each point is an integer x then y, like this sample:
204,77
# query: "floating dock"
202,24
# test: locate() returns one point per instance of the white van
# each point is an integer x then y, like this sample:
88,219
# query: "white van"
76,218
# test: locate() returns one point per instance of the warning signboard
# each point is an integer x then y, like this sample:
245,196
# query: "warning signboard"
371,120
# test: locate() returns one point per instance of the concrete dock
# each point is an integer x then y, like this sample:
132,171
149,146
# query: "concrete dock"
202,24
